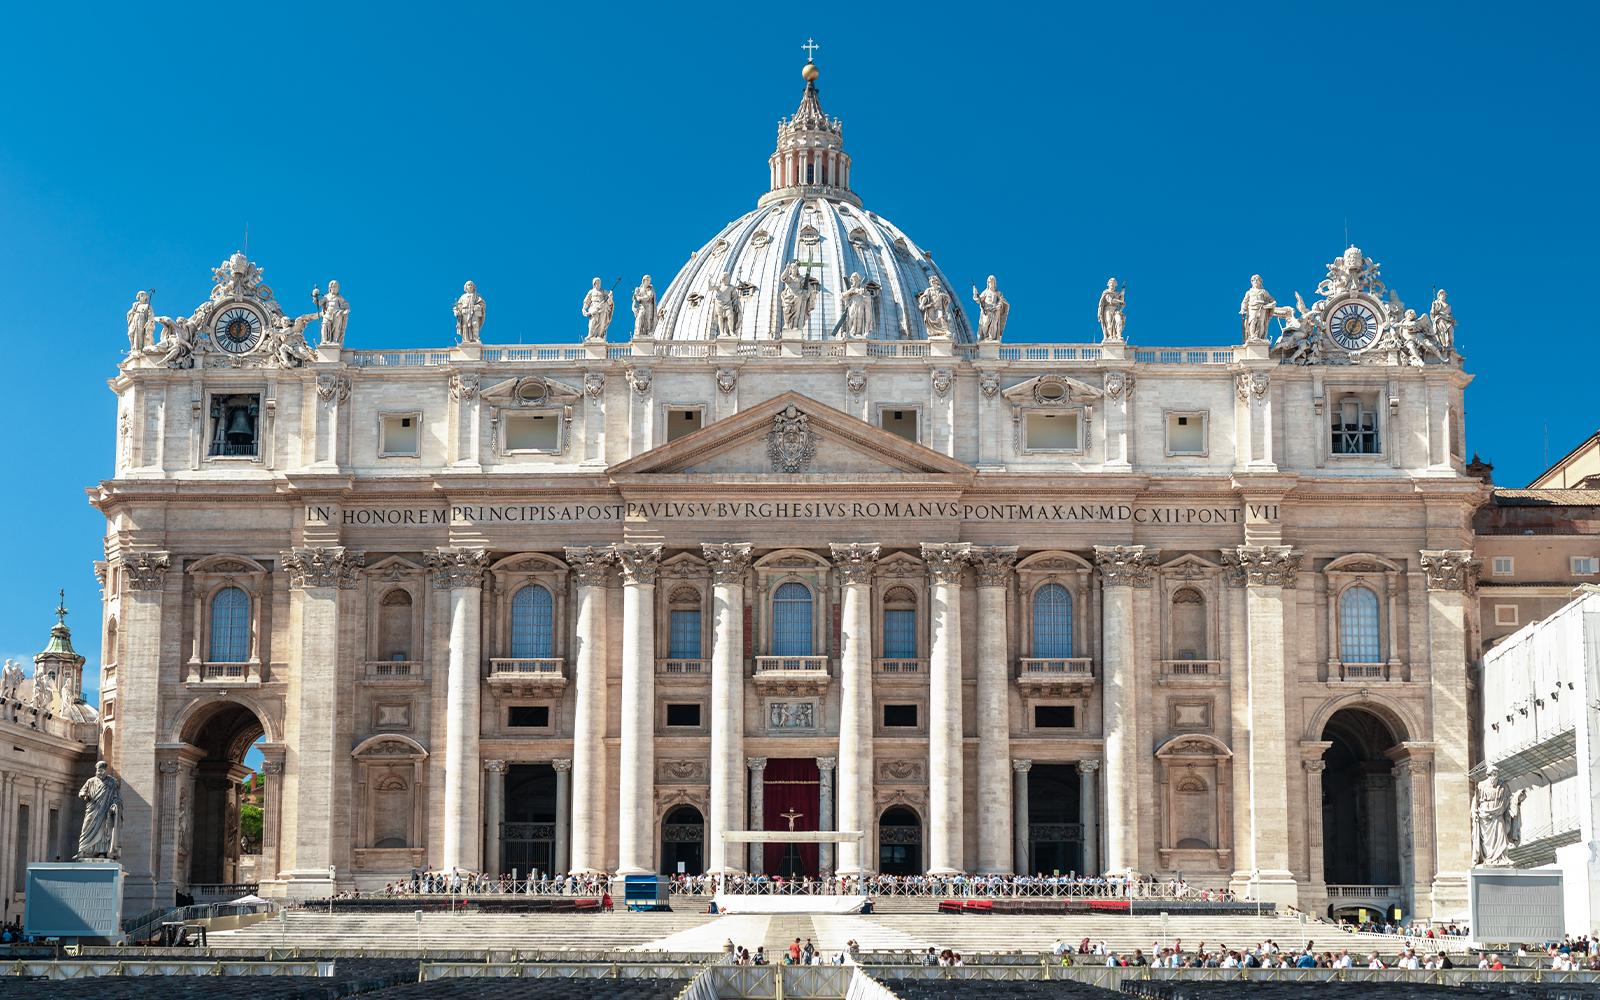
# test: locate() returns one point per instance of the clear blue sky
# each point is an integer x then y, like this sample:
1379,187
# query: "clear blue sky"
403,148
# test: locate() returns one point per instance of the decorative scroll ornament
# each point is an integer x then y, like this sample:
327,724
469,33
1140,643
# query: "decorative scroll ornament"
171,766
791,444
682,770
1263,565
594,386
330,566
1316,766
334,389
945,560
729,562
639,563
756,763
464,385
1088,766
589,563
1125,565
727,380
272,767
943,379
1450,569
901,772
994,563
639,379
1119,384
1251,387
988,384
1352,272
455,569
854,561
146,570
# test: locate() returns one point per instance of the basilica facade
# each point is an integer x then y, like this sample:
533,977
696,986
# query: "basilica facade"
814,546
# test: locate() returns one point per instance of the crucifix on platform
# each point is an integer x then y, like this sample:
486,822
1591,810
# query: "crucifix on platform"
791,866
791,816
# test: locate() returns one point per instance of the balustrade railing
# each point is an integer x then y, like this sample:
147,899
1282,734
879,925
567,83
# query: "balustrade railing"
973,887
792,664
1184,668
1034,666
900,666
548,666
1365,891
553,353
687,667
393,668
1364,671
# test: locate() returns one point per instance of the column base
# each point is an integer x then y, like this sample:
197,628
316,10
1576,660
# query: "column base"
995,871
945,872
1447,894
1267,885
633,871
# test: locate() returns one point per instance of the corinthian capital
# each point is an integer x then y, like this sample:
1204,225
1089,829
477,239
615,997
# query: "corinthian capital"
589,563
729,561
854,561
1450,569
639,563
1263,565
994,563
322,566
146,570
455,569
945,560
1125,565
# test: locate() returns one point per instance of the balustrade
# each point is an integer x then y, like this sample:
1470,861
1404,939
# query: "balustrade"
900,666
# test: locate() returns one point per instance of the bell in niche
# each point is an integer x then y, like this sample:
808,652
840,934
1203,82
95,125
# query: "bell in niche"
239,429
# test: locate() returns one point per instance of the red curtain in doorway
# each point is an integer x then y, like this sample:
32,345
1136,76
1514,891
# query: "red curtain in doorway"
793,785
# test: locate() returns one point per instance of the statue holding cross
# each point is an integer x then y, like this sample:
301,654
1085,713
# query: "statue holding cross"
799,295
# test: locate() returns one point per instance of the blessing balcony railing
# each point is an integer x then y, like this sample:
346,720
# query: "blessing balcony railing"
792,664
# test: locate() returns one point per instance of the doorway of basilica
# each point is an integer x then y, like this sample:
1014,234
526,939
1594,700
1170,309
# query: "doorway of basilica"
528,832
899,842
792,800
683,839
1055,830
1359,810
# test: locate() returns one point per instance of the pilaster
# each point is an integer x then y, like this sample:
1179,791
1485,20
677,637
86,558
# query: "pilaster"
729,562
854,563
589,795
144,576
459,572
1452,577
636,823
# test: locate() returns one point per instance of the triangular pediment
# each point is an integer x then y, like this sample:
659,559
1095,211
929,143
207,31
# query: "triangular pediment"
792,435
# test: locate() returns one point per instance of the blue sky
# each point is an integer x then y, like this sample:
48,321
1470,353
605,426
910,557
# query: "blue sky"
403,148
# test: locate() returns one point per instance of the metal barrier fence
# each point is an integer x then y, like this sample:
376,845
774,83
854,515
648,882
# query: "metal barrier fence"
1124,977
89,968
955,888
446,955
557,970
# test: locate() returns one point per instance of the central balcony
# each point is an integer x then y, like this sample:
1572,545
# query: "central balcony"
792,674
1056,675
683,668
525,676
900,667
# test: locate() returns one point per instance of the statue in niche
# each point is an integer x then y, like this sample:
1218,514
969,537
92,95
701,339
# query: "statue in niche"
1257,310
799,296
11,681
1444,322
934,302
644,309
141,323
993,309
471,310
178,338
726,308
598,305
1113,320
335,312
856,302
1496,815
102,815
1302,335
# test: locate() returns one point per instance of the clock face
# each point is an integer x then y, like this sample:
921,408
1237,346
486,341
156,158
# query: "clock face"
1353,325
237,330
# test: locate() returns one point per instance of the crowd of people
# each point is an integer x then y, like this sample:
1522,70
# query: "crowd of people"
795,954
1264,955
955,886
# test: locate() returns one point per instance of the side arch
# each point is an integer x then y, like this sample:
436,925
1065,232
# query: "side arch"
193,717
1402,722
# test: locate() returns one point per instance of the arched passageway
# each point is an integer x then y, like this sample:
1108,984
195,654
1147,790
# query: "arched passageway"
209,835
1360,821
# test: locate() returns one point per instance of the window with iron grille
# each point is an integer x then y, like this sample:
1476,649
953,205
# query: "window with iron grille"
1355,426
531,619
684,642
791,620
1052,622
230,626
1358,626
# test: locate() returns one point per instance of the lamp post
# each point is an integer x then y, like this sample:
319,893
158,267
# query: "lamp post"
333,881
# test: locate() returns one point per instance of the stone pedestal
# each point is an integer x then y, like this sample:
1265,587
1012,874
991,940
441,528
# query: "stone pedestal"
644,347
988,350
596,350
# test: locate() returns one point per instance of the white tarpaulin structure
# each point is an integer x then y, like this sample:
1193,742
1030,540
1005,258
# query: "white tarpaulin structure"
749,903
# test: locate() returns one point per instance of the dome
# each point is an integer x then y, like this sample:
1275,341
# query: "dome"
808,224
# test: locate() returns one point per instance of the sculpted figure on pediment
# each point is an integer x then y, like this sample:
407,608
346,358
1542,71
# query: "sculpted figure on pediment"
471,310
934,302
335,312
1257,310
993,311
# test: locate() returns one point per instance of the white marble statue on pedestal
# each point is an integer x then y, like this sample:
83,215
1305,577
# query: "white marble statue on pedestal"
994,310
597,308
860,318
335,312
1416,339
102,816
1444,322
141,323
1113,318
43,690
11,681
726,309
471,310
1257,311
799,297
1495,818
644,309
934,303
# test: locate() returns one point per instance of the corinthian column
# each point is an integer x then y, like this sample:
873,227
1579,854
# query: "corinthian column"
636,819
495,784
825,769
1123,570
758,810
460,573
853,561
946,762
1451,576
729,562
1267,571
993,710
1088,810
590,793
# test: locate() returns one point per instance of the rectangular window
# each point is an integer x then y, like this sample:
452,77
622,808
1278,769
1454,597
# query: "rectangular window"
21,873
899,716
685,638
900,635
533,432
683,715
529,717
681,422
901,422
235,420
1052,432
1505,614
1585,565
1055,717
1504,565
398,434
1355,425
1186,434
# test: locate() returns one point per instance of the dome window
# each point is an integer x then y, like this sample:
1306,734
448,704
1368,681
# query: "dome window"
760,239
858,236
719,248
809,236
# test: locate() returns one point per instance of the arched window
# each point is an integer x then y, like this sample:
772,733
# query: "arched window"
791,620
900,624
1052,622
230,626
1358,626
531,619
684,639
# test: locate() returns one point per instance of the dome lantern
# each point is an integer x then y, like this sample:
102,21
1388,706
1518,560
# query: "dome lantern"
810,158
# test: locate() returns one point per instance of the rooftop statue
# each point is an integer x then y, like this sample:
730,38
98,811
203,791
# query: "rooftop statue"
1113,320
178,339
289,345
726,309
644,309
799,296
598,306
934,302
1257,310
335,312
1444,322
1416,338
994,309
11,681
856,301
1352,272
102,816
141,323
1301,341
470,312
